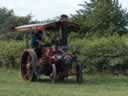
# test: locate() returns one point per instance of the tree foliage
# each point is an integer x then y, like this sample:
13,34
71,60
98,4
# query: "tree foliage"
8,22
102,16
7,19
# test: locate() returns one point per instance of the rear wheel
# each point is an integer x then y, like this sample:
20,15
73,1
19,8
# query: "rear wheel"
79,73
28,65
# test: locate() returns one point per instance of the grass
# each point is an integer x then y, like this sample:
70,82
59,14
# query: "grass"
11,84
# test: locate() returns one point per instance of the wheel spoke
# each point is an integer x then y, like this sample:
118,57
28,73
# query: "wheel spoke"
28,63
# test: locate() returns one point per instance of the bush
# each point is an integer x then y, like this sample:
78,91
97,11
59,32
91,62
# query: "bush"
10,52
102,54
98,54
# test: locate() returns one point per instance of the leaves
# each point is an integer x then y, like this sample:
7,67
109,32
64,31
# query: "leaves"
102,16
8,22
10,52
99,53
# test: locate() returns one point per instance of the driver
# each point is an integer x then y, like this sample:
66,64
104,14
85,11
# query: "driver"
36,42
36,39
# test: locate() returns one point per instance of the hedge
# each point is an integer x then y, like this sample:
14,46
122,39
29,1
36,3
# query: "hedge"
10,52
102,53
97,54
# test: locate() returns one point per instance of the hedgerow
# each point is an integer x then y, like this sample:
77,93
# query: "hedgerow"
10,52
102,53
97,54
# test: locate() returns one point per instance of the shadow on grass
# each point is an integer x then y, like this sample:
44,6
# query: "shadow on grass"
67,81
91,80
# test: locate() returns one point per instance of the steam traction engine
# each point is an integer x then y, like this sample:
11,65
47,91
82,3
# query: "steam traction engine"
52,59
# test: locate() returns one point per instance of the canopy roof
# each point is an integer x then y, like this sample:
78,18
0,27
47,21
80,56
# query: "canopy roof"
54,25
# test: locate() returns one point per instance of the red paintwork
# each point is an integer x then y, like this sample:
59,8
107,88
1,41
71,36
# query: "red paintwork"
50,54
40,27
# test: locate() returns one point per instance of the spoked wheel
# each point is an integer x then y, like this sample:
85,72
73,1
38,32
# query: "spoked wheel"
53,74
28,65
79,73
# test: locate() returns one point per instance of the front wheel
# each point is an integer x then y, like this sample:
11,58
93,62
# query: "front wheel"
79,73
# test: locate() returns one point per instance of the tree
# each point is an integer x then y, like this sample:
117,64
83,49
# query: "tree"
8,22
21,20
102,16
6,19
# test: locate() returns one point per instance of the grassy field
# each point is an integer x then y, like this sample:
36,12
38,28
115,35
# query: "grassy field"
11,84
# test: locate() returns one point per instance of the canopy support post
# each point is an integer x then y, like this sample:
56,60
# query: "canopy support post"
26,41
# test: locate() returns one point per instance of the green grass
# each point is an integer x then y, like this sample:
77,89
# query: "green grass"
11,84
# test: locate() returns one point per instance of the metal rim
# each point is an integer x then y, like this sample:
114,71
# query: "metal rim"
27,68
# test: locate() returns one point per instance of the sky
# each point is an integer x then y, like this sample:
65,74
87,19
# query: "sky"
46,9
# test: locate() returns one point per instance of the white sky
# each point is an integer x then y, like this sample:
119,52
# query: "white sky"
44,9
